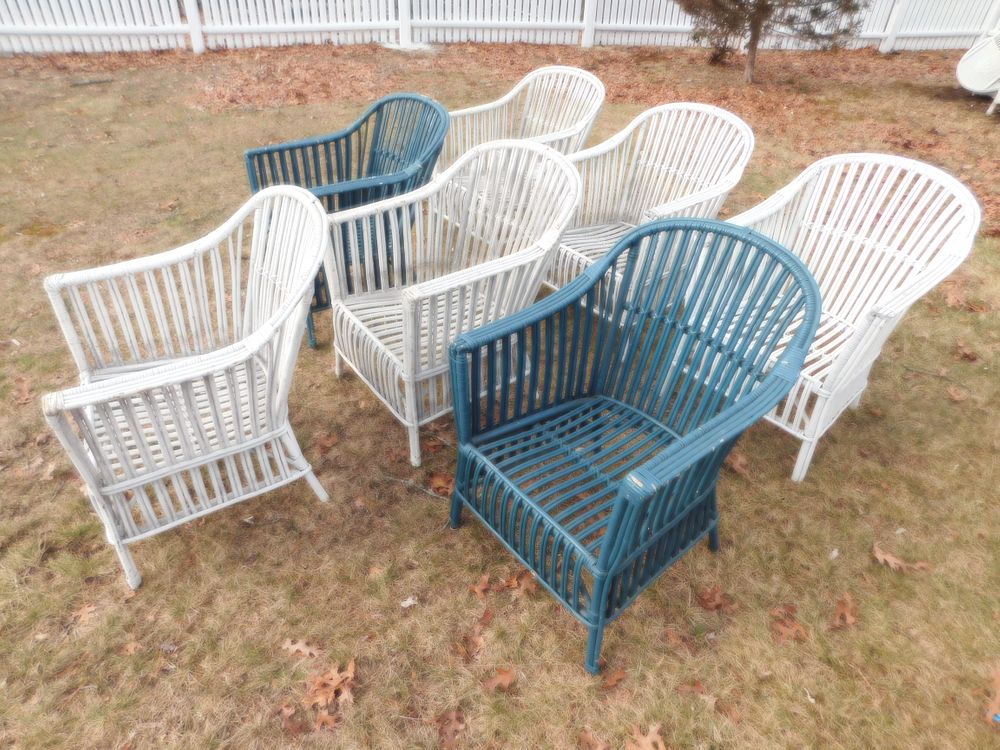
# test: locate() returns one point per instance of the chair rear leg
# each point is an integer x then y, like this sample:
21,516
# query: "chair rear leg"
414,436
456,510
318,488
132,576
804,459
594,639
713,538
311,330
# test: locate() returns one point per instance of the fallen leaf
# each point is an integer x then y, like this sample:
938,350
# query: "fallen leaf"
612,679
845,613
84,614
650,740
170,205
289,725
331,688
300,648
691,688
410,601
326,720
993,708
957,394
22,390
587,741
450,726
962,352
738,463
326,442
503,681
679,640
469,646
784,627
482,588
714,600
730,710
441,484
894,563
132,647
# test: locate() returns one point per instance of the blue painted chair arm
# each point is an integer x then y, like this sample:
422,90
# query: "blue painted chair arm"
288,160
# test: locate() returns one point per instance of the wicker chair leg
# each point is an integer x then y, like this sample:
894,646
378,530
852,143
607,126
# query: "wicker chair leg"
311,330
713,538
132,576
804,459
414,435
993,105
856,403
338,364
456,510
594,639
318,488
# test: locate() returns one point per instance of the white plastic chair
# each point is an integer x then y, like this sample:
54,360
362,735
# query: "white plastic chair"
186,361
414,272
877,232
675,160
555,105
979,69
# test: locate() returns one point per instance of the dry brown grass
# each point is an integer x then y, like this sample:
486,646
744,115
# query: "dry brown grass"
103,171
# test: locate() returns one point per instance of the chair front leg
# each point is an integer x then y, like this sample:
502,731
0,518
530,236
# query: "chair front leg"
595,635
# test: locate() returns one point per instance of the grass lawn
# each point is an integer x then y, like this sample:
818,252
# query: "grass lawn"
110,157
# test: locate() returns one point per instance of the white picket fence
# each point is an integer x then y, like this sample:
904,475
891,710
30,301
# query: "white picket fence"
45,26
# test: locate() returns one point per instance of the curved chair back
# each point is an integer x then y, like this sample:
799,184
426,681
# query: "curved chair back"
400,132
498,199
673,152
555,105
873,225
695,318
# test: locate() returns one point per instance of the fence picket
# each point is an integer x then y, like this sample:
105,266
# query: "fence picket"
46,26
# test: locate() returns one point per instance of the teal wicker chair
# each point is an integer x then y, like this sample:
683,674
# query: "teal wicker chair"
608,407
390,150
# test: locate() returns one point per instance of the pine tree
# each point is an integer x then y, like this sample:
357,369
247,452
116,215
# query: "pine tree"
725,22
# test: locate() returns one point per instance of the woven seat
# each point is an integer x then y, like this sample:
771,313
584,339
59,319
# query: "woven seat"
878,232
592,425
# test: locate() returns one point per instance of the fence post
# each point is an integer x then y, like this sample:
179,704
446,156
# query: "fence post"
193,16
892,27
405,25
589,19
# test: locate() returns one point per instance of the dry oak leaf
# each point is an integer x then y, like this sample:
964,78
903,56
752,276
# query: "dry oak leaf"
612,679
23,390
651,740
691,688
962,352
333,687
894,563
326,442
587,741
326,720
289,725
845,614
482,588
300,648
84,614
957,394
679,640
503,681
993,708
450,726
738,463
441,484
472,642
522,582
784,627
714,600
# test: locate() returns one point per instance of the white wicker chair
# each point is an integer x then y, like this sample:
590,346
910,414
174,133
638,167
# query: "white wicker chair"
671,161
877,232
469,247
979,69
555,105
186,361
